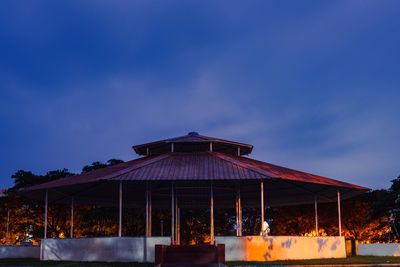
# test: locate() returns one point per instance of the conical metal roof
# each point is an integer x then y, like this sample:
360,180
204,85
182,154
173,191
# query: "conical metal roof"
191,172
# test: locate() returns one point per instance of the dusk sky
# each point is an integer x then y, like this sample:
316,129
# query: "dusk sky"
313,85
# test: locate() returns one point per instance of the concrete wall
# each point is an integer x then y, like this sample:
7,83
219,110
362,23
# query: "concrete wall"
19,252
389,249
245,248
123,249
269,248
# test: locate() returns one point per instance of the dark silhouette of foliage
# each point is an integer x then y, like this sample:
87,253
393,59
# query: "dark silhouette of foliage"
99,165
26,215
394,197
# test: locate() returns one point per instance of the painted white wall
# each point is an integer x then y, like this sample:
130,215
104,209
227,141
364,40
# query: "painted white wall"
389,249
269,248
19,252
109,249
245,248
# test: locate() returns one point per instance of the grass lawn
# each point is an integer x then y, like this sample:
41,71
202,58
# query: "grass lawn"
350,260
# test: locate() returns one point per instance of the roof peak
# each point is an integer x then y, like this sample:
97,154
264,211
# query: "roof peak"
193,142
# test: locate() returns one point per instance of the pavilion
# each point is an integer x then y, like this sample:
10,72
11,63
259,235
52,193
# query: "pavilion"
186,172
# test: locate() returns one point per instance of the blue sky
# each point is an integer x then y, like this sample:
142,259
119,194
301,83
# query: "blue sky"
313,85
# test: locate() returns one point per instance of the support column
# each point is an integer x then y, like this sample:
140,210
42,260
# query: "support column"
172,215
147,209
240,213
179,227
150,224
176,220
237,215
262,208
316,216
72,218
339,215
120,210
45,213
8,223
212,215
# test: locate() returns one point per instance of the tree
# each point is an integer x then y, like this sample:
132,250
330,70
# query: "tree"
361,221
26,215
394,198
99,165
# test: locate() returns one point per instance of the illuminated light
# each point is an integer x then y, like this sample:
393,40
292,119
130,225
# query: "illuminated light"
312,233
61,235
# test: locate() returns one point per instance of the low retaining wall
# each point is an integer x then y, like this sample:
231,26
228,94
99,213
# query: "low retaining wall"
244,248
19,252
269,248
109,249
389,249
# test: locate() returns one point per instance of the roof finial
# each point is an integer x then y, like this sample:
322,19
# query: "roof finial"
193,133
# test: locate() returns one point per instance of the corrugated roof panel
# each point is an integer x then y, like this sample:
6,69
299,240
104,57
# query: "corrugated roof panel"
289,174
194,166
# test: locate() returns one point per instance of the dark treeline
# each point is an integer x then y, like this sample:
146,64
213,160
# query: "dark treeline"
365,217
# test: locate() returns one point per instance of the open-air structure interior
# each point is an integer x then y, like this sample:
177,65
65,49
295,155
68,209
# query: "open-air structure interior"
193,171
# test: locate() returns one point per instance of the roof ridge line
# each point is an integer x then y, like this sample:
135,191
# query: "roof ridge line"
199,136
241,164
138,166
